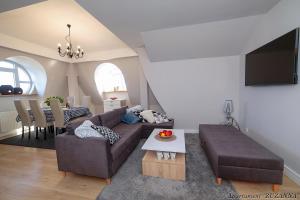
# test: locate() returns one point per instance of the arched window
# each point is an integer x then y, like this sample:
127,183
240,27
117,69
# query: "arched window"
109,78
16,75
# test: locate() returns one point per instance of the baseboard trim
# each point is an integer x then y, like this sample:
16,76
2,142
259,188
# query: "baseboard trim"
292,174
191,131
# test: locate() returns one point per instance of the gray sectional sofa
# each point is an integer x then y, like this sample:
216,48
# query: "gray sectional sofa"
95,156
233,155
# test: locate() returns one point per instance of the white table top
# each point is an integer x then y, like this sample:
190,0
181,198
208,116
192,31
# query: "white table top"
177,145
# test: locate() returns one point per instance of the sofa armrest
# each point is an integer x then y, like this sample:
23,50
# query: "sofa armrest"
148,127
88,156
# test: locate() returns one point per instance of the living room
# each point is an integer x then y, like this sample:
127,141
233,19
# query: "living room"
179,71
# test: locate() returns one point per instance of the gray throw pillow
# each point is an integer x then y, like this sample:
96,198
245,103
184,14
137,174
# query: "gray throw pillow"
107,133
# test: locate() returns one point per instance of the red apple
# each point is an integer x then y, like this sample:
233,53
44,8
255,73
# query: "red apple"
169,133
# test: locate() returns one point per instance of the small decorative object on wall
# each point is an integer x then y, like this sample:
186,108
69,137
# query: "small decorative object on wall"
6,89
228,109
70,52
18,90
47,101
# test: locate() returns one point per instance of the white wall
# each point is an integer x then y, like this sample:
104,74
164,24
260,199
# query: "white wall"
272,112
193,91
130,69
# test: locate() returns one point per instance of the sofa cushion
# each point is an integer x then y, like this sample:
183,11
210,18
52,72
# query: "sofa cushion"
242,151
128,134
73,125
112,118
130,118
233,148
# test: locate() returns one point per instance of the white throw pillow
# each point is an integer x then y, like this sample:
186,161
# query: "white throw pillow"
134,109
85,130
148,115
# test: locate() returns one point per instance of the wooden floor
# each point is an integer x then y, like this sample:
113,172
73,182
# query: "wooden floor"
262,190
29,173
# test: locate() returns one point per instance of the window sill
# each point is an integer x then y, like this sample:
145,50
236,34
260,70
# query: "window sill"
116,91
17,95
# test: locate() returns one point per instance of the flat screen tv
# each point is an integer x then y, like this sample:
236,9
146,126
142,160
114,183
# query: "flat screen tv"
274,63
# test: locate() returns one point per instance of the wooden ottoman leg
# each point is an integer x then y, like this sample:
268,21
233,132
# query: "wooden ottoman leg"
275,187
108,181
219,181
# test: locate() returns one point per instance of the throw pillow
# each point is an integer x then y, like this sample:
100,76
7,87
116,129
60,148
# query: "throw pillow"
130,118
160,118
135,108
107,133
85,130
148,115
138,114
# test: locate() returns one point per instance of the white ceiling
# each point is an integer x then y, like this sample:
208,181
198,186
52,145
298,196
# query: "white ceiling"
169,29
127,19
44,24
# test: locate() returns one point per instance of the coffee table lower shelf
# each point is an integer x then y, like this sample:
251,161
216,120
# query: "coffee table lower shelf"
169,169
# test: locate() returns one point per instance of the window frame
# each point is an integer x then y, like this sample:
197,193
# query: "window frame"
14,70
116,76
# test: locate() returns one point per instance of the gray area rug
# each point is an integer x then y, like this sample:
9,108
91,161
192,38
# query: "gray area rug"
130,184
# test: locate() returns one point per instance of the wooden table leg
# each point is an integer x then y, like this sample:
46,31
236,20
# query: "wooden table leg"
219,181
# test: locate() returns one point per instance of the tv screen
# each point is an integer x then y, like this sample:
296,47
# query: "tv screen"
274,63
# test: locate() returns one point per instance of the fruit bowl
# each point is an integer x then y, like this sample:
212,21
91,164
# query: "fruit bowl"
165,133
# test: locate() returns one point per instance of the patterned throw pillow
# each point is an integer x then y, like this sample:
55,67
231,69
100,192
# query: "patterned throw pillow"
160,118
107,133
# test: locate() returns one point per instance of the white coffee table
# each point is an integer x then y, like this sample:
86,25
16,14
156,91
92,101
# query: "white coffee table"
170,169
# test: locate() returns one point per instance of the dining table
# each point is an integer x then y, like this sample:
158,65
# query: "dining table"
69,113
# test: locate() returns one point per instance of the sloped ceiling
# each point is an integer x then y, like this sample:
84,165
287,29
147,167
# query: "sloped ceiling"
132,20
14,4
213,39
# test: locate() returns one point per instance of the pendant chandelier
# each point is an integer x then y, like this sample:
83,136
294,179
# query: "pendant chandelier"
70,52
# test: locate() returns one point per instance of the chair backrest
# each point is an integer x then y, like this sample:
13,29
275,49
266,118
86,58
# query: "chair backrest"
86,101
57,112
23,113
39,115
71,101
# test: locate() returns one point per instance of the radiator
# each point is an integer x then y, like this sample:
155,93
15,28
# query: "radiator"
8,121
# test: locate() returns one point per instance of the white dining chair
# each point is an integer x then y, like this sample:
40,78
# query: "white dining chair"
58,115
24,116
71,101
40,120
